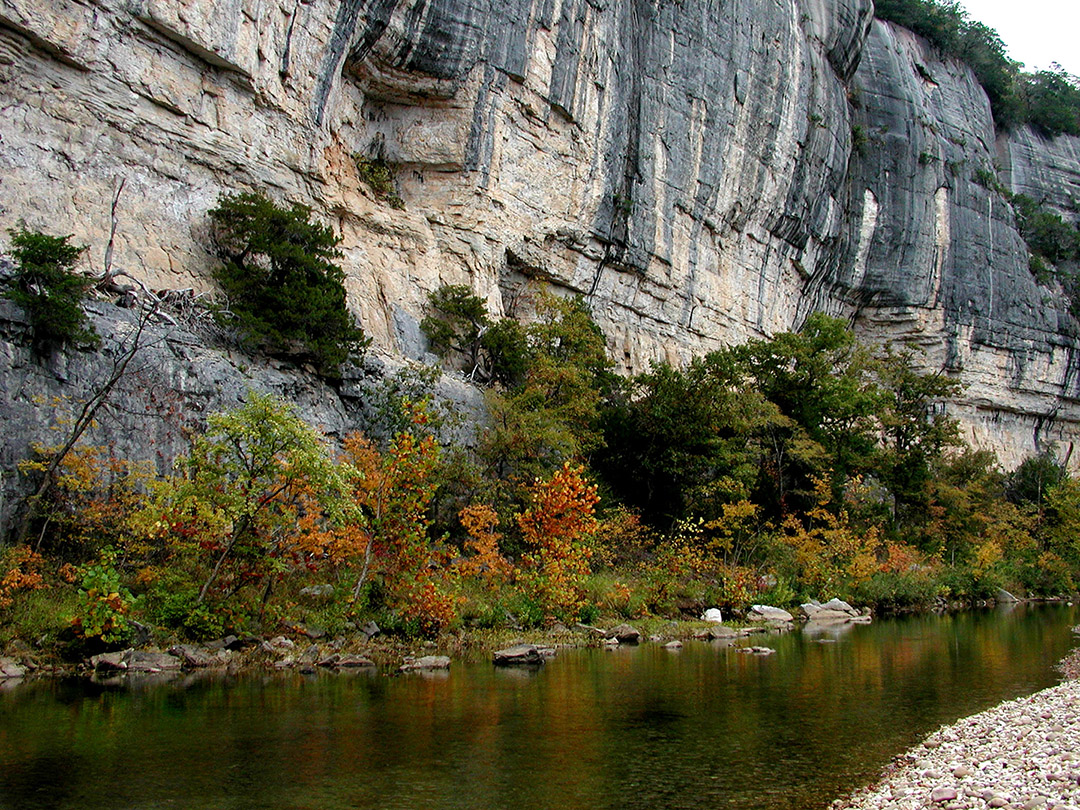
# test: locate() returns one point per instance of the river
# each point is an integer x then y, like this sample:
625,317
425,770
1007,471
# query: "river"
636,727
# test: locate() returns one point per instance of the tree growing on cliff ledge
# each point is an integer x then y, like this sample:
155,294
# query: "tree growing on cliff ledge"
285,295
46,286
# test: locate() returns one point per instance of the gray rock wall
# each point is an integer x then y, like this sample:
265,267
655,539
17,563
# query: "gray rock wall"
704,171
935,256
177,378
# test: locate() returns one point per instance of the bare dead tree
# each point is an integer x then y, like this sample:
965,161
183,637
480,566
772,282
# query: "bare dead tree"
114,221
87,414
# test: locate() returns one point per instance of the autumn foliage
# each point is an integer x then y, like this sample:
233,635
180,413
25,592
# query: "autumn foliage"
557,529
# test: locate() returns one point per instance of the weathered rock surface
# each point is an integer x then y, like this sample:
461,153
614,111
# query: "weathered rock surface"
768,613
426,663
835,611
518,655
10,668
717,632
136,661
178,377
197,657
701,175
624,634
349,661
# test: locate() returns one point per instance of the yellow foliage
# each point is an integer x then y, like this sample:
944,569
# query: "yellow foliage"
829,552
987,554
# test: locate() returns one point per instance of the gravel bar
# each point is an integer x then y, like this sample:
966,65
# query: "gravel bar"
1021,754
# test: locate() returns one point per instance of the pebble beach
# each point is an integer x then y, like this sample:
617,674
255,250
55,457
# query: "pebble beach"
1024,753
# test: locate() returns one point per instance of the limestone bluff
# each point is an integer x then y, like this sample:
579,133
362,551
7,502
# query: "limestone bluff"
703,171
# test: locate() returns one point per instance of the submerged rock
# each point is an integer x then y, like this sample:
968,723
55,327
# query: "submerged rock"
717,632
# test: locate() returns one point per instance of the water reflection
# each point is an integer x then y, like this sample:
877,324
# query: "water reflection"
626,728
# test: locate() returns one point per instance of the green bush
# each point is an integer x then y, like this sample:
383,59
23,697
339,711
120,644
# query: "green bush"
47,288
285,294
890,591
966,584
379,177
1052,99
103,603
1047,234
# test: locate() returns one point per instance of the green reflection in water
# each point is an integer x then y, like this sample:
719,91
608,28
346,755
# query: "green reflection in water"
634,728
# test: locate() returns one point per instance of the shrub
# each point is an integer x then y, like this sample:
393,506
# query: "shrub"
258,491
47,288
21,572
558,529
91,502
1053,101
103,602
457,324
892,590
379,177
285,293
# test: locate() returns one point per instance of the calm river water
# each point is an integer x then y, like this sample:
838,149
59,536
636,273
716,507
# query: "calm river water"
704,727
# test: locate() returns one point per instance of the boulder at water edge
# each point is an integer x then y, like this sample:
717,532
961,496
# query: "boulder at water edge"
712,615
428,662
767,613
10,668
518,655
624,634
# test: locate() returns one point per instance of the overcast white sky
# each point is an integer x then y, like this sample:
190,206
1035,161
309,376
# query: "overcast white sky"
1036,32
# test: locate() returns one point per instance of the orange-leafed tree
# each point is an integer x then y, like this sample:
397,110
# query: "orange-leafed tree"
481,523
557,529
389,530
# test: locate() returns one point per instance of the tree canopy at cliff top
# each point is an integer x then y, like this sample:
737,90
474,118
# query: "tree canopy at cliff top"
1047,99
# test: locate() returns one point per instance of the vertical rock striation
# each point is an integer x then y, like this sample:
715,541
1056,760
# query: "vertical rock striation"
703,171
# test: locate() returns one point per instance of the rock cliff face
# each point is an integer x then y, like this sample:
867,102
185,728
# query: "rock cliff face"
704,171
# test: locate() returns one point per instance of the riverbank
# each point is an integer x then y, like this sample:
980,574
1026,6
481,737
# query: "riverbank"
1021,755
308,652
307,649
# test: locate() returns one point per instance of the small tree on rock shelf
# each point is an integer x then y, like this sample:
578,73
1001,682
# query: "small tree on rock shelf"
285,293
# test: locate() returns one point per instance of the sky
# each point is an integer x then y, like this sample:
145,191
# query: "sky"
1035,32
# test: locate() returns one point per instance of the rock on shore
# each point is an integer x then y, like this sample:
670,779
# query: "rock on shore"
1021,754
